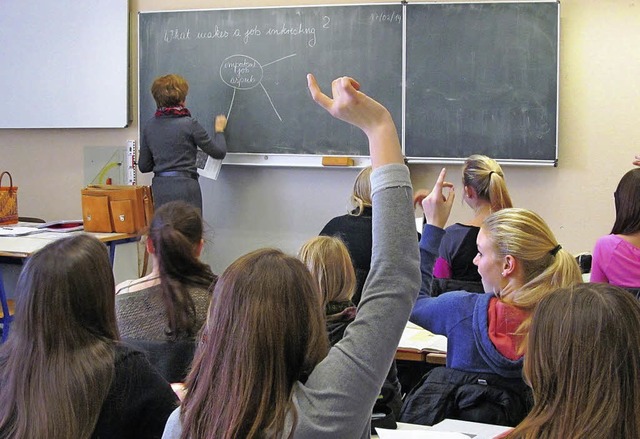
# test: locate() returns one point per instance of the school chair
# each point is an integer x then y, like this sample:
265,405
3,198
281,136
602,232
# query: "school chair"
6,312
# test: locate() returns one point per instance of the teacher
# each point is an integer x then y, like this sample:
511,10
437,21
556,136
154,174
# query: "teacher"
169,144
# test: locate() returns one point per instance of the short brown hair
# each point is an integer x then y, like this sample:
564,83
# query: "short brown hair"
169,90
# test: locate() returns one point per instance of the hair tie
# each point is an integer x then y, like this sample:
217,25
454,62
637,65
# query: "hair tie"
555,250
492,172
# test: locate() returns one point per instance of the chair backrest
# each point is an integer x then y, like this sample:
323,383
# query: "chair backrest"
171,359
440,286
7,316
634,291
477,397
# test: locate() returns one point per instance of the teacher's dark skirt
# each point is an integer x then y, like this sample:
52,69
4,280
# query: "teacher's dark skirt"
167,189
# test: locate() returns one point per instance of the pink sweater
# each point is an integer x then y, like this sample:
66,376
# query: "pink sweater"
616,261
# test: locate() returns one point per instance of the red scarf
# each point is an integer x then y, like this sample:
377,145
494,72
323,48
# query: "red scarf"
172,111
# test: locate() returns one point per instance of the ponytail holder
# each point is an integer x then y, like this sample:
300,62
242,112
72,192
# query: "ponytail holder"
555,250
492,172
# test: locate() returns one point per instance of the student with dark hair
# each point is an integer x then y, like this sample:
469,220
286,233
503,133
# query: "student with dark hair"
262,369
63,372
616,257
171,302
485,191
583,364
169,142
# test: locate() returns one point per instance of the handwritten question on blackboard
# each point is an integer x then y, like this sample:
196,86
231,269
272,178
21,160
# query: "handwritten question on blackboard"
258,31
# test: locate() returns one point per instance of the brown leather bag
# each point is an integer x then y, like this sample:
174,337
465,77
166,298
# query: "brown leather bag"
8,201
120,209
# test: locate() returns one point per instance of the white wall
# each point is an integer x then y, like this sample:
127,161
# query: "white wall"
252,207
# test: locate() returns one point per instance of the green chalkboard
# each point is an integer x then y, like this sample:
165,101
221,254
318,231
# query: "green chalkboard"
482,78
477,77
251,65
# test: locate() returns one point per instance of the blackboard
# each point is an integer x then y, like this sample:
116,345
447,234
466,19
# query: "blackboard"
251,65
477,77
482,78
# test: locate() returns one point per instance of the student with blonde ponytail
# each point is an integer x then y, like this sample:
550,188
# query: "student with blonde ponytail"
485,191
520,262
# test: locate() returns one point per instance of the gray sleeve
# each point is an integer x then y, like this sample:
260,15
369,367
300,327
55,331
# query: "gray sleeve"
338,397
216,148
145,158
173,428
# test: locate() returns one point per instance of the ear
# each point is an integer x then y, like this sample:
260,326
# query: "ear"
470,192
150,249
509,266
199,247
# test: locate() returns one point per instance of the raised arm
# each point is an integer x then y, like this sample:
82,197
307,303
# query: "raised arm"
337,399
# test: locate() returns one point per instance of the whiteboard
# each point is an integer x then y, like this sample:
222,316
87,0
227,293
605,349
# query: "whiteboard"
64,63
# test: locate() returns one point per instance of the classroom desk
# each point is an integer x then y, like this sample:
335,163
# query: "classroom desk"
424,357
16,249
415,338
20,247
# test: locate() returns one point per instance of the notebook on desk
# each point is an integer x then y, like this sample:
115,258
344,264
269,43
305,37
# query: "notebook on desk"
419,339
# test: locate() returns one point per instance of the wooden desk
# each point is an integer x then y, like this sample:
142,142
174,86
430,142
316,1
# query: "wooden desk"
415,338
20,247
17,248
424,357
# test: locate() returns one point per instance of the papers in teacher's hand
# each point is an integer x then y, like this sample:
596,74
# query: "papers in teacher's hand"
415,337
207,167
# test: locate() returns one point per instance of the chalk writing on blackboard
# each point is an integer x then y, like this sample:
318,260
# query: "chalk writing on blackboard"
284,29
242,72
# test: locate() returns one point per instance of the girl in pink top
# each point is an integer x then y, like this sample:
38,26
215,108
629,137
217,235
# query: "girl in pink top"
616,257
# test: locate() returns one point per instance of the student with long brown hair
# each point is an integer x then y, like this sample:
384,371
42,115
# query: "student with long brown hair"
262,369
171,302
583,364
63,372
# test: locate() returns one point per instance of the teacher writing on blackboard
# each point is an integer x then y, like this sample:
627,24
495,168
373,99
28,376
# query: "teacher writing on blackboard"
170,140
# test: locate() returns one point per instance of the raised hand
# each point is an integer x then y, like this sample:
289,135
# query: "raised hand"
349,104
220,123
437,205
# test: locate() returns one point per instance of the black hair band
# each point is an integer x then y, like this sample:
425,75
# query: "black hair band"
555,250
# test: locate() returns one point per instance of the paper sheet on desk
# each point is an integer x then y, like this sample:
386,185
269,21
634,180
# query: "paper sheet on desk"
415,337
18,231
474,430
384,433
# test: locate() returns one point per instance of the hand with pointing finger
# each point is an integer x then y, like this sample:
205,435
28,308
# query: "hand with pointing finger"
437,205
349,104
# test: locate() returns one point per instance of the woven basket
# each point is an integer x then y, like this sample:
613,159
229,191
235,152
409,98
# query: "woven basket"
8,201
